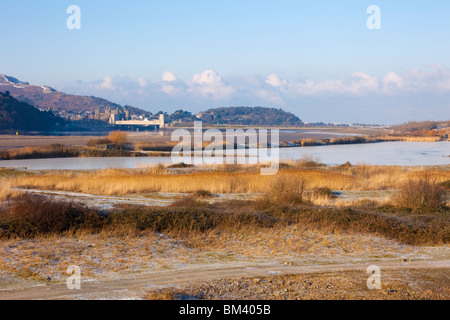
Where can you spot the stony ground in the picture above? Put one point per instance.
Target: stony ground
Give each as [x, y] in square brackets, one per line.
[395, 285]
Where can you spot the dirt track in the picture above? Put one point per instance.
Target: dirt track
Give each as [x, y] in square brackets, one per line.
[137, 287]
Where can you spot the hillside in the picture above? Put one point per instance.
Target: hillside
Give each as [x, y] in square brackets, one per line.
[260, 116]
[16, 115]
[48, 98]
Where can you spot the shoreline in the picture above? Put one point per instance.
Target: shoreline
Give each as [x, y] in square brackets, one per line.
[57, 151]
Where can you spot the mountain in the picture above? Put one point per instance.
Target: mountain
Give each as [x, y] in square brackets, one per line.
[44, 97]
[16, 115]
[260, 116]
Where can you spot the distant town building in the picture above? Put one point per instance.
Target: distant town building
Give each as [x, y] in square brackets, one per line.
[120, 120]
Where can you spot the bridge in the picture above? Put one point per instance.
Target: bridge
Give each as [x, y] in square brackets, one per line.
[160, 123]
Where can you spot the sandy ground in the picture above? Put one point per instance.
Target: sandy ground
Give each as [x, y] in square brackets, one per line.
[109, 202]
[103, 202]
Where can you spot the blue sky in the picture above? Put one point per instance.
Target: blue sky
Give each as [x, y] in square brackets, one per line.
[316, 59]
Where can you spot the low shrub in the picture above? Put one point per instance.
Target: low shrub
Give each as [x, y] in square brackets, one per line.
[421, 195]
[31, 215]
[202, 194]
[284, 190]
[445, 184]
[99, 141]
[309, 162]
[324, 192]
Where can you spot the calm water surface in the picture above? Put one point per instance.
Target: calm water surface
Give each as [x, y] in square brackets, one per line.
[385, 153]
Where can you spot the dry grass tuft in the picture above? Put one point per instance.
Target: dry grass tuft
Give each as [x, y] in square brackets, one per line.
[283, 190]
[202, 194]
[6, 192]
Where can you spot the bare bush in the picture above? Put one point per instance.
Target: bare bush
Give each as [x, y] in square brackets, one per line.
[119, 138]
[424, 194]
[309, 162]
[31, 215]
[285, 190]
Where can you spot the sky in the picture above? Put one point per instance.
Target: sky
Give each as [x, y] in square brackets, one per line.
[316, 59]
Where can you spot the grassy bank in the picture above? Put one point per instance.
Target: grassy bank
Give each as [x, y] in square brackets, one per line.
[61, 151]
[365, 139]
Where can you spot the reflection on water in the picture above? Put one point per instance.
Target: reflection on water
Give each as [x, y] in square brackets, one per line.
[385, 153]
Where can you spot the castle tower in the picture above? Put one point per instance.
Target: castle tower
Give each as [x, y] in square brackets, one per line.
[162, 121]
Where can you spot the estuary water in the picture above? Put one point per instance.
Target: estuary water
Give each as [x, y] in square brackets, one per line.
[383, 153]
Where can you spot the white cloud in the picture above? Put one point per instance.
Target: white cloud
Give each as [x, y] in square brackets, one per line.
[362, 83]
[392, 81]
[275, 81]
[168, 76]
[268, 96]
[107, 83]
[142, 82]
[209, 83]
[403, 94]
[272, 89]
[170, 90]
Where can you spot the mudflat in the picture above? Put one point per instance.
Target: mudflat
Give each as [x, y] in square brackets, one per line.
[163, 137]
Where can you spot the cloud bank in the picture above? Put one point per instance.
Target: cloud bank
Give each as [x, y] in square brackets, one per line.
[396, 96]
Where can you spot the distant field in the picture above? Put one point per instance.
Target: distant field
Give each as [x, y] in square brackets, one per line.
[13, 141]
[21, 141]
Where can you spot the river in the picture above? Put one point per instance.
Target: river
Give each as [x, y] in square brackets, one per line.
[384, 153]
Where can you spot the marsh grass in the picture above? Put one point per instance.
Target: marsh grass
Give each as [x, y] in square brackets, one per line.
[231, 179]
[6, 192]
[283, 190]
[61, 151]
[34, 216]
[51, 151]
